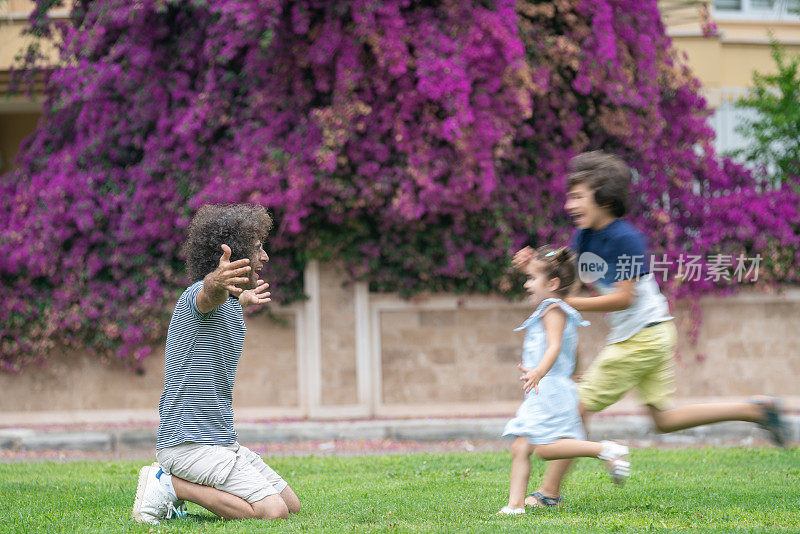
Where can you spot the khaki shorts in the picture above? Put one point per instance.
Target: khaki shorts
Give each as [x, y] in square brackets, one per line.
[646, 362]
[233, 469]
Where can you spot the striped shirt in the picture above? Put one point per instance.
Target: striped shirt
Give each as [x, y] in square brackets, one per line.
[201, 357]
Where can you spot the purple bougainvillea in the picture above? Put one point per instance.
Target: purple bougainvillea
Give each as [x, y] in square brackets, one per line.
[419, 143]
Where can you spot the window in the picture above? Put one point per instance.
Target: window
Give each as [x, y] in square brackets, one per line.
[772, 9]
[727, 117]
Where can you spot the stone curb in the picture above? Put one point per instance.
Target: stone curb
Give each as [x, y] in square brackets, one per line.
[67, 441]
[623, 427]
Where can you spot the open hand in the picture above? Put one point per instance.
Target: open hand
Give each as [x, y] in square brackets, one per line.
[522, 257]
[229, 274]
[530, 377]
[257, 296]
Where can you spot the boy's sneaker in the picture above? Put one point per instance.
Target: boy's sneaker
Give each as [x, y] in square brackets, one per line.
[616, 458]
[773, 421]
[153, 502]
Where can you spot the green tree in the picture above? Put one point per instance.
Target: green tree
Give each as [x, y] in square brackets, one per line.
[773, 131]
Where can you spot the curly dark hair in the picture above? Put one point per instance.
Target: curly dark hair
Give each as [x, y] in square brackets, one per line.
[239, 226]
[559, 263]
[605, 174]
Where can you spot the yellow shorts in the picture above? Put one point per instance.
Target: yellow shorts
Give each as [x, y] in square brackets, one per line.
[645, 361]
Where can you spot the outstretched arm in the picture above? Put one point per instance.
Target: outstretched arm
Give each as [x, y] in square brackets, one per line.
[620, 299]
[222, 281]
[255, 297]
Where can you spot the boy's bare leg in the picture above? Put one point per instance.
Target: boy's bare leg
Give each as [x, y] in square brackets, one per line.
[559, 456]
[702, 414]
[666, 421]
[568, 448]
[229, 506]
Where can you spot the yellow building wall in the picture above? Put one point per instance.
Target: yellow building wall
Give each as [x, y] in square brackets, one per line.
[19, 115]
[14, 127]
[727, 59]
[720, 64]
[13, 21]
[11, 41]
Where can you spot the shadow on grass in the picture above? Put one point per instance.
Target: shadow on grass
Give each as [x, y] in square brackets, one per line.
[202, 518]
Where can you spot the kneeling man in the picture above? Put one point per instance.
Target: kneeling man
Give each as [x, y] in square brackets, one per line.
[199, 458]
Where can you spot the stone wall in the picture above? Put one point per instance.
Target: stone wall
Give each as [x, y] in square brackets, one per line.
[450, 355]
[348, 353]
[267, 382]
[338, 337]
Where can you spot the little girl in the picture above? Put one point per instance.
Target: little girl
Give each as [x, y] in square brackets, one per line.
[548, 423]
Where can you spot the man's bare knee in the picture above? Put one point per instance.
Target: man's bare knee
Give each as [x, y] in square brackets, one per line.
[271, 507]
[290, 498]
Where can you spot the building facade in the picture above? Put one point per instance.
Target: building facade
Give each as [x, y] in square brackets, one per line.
[725, 61]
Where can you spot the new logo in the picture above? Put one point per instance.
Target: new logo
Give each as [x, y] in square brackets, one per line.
[591, 267]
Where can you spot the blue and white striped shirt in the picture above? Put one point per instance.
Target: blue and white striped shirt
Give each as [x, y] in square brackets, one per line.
[202, 353]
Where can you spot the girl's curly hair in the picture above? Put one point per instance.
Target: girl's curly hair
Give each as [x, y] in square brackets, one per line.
[239, 226]
[559, 263]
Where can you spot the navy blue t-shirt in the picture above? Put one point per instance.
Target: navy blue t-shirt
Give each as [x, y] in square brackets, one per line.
[621, 246]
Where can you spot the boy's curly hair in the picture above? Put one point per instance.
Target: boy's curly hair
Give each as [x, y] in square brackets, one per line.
[559, 263]
[239, 226]
[605, 174]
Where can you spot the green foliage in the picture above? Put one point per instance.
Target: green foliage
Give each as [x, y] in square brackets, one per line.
[774, 132]
[697, 490]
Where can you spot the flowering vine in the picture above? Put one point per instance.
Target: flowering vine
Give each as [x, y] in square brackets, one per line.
[418, 143]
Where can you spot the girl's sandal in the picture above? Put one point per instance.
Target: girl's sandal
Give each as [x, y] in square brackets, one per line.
[542, 501]
[773, 421]
[616, 458]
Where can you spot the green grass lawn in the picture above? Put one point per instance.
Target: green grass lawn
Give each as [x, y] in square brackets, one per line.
[719, 490]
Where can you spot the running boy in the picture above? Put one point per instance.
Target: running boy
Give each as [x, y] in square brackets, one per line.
[641, 343]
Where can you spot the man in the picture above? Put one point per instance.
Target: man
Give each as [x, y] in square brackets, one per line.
[199, 459]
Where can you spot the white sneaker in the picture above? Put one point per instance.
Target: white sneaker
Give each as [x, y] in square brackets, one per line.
[166, 483]
[153, 502]
[617, 463]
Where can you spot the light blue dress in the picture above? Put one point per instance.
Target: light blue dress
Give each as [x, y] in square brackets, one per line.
[552, 413]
